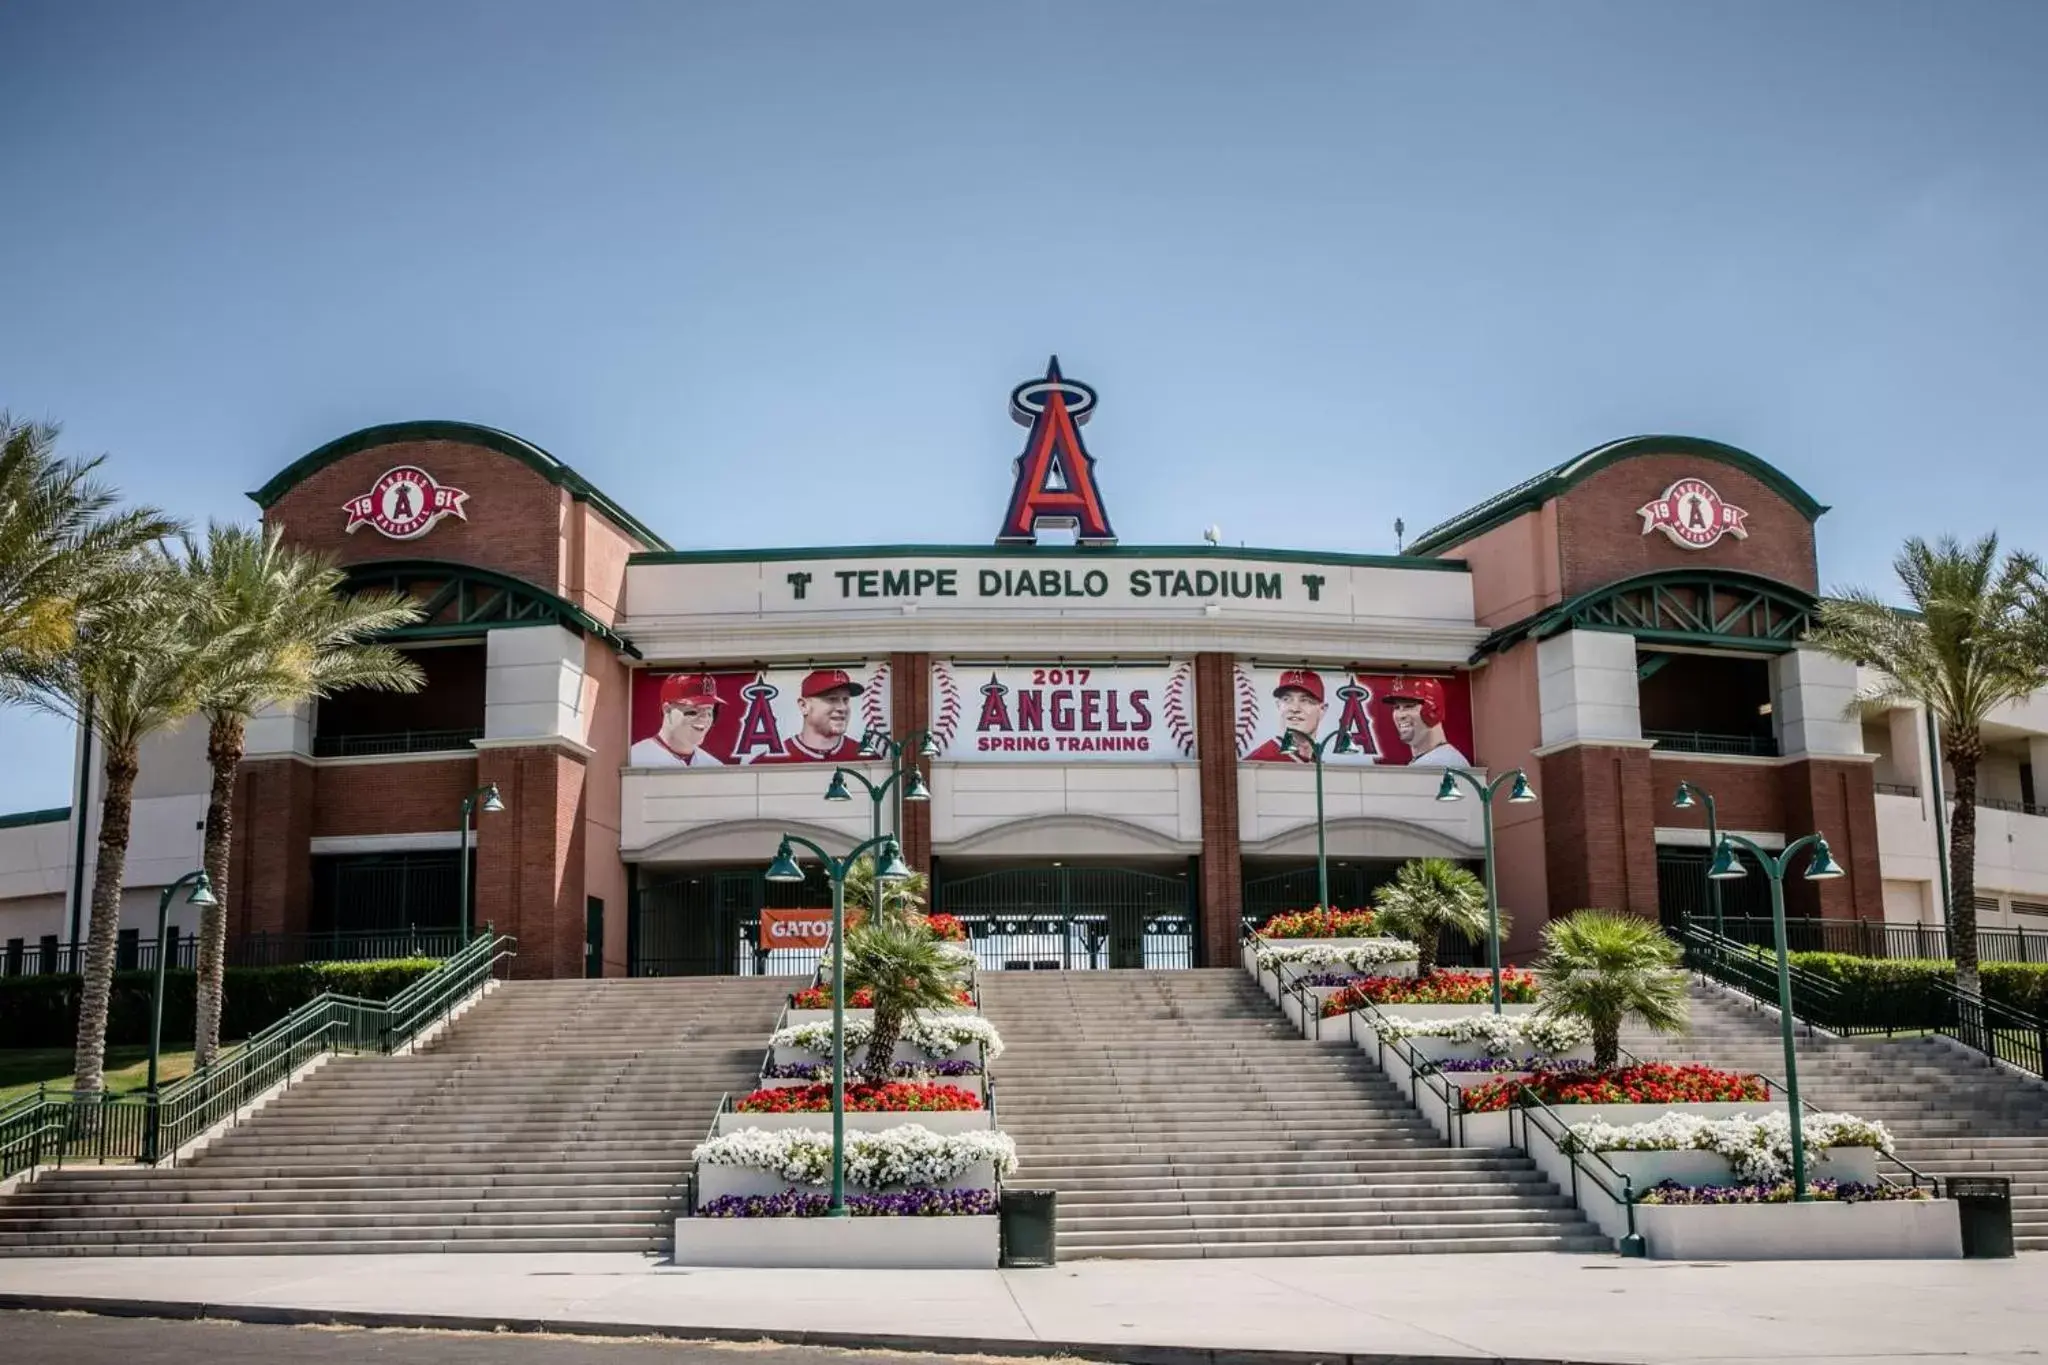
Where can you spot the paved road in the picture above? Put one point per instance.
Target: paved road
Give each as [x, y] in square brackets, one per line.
[74, 1339]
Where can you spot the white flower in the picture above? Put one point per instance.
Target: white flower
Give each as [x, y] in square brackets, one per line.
[935, 1035]
[1760, 1149]
[1502, 1033]
[907, 1155]
[1372, 953]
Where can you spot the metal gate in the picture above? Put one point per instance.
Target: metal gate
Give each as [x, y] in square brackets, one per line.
[708, 923]
[1074, 918]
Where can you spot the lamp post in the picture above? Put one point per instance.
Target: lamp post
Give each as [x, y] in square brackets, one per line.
[889, 869]
[1821, 867]
[1338, 743]
[1520, 793]
[202, 896]
[905, 778]
[1688, 797]
[488, 793]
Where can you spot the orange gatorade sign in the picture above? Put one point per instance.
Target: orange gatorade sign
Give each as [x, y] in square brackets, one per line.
[795, 928]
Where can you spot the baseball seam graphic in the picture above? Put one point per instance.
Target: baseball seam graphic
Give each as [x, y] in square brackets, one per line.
[1247, 711]
[871, 700]
[948, 718]
[1177, 709]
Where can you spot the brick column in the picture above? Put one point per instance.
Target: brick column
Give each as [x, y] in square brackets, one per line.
[1840, 800]
[910, 710]
[1216, 748]
[529, 856]
[270, 862]
[1599, 829]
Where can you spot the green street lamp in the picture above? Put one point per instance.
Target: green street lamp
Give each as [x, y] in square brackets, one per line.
[908, 778]
[202, 896]
[889, 869]
[909, 785]
[1688, 797]
[1338, 743]
[1520, 793]
[488, 794]
[1821, 867]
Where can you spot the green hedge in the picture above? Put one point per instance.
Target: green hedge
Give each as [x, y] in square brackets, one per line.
[42, 1011]
[1875, 987]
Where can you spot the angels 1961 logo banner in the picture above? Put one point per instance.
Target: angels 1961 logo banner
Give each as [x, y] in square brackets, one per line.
[1394, 719]
[1064, 713]
[722, 718]
[405, 503]
[1693, 515]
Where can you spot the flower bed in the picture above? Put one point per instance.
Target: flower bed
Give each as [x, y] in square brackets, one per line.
[1319, 923]
[919, 1201]
[946, 927]
[820, 998]
[1651, 1083]
[1499, 1033]
[923, 1069]
[1372, 953]
[1550, 1064]
[935, 1035]
[1844, 1191]
[861, 1097]
[1759, 1149]
[906, 1155]
[1438, 988]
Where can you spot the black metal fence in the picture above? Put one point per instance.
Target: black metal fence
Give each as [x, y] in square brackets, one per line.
[1871, 938]
[132, 952]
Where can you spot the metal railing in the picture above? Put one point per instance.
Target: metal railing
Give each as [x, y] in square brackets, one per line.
[1897, 789]
[395, 742]
[1707, 742]
[2017, 807]
[1020, 942]
[1925, 1005]
[132, 953]
[53, 1128]
[1875, 938]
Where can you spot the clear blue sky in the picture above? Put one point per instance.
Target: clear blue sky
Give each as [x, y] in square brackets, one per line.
[766, 273]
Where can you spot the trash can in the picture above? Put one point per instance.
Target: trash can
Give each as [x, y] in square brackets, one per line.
[1025, 1222]
[1984, 1202]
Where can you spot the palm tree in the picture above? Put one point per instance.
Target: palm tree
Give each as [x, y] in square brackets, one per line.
[61, 540]
[1976, 639]
[1605, 968]
[906, 969]
[1429, 896]
[295, 635]
[901, 899]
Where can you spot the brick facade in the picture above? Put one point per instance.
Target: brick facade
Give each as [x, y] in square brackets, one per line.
[910, 711]
[270, 882]
[1599, 829]
[1748, 795]
[529, 862]
[405, 797]
[1216, 750]
[1838, 799]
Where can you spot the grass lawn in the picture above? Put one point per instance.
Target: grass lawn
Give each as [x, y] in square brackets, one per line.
[22, 1069]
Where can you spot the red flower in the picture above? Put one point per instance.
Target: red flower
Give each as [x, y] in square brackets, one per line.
[946, 927]
[1319, 923]
[862, 1097]
[1438, 988]
[863, 998]
[1650, 1083]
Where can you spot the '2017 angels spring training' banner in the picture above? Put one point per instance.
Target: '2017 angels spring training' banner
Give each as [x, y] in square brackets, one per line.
[712, 718]
[1064, 713]
[1394, 719]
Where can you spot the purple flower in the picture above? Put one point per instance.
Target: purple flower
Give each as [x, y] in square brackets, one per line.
[1845, 1192]
[1330, 978]
[1509, 1064]
[822, 1071]
[917, 1201]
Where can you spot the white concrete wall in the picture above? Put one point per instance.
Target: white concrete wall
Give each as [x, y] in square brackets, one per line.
[1587, 689]
[1368, 812]
[274, 731]
[1814, 704]
[1076, 809]
[732, 814]
[534, 685]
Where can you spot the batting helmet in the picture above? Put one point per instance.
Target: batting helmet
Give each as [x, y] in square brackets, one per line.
[1428, 693]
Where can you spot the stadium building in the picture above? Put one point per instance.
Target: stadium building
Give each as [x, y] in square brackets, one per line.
[1110, 781]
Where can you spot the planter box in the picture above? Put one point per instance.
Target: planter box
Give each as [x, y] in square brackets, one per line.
[1451, 1011]
[1858, 1164]
[973, 1082]
[716, 1181]
[905, 1052]
[1894, 1229]
[945, 1121]
[1501, 1129]
[966, 1242]
[792, 1017]
[1274, 987]
[1317, 1027]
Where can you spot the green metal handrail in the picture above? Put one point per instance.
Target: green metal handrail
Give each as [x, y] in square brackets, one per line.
[1530, 1105]
[144, 1126]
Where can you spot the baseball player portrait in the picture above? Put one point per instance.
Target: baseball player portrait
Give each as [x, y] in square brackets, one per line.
[1301, 702]
[825, 705]
[1417, 705]
[689, 704]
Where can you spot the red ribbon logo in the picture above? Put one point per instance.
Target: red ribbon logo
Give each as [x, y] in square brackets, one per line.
[1693, 515]
[405, 503]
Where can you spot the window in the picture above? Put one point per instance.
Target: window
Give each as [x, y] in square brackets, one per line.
[1706, 703]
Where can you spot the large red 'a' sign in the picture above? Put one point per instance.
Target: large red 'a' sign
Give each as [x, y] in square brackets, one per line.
[1055, 474]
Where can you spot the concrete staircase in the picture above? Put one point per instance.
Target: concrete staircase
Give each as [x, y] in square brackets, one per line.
[554, 1116]
[1952, 1113]
[1178, 1115]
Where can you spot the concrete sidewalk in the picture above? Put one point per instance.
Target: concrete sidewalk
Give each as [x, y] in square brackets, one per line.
[1520, 1307]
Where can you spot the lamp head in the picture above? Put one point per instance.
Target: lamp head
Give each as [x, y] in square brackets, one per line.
[1684, 801]
[892, 867]
[1343, 744]
[202, 892]
[492, 804]
[1725, 867]
[784, 868]
[1447, 790]
[873, 743]
[1521, 793]
[930, 747]
[915, 789]
[1823, 868]
[837, 790]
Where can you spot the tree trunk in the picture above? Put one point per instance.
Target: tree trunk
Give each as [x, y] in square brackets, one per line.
[888, 1028]
[104, 928]
[1963, 749]
[1425, 951]
[224, 743]
[1606, 1044]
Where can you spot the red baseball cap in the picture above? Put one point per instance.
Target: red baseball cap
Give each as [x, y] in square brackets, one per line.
[819, 681]
[1301, 680]
[694, 689]
[1428, 693]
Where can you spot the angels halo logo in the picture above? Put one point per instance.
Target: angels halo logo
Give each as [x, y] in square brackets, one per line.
[1693, 515]
[404, 504]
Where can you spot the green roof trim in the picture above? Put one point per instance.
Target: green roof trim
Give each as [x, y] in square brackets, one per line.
[1531, 494]
[552, 609]
[1776, 613]
[469, 433]
[55, 815]
[1042, 551]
